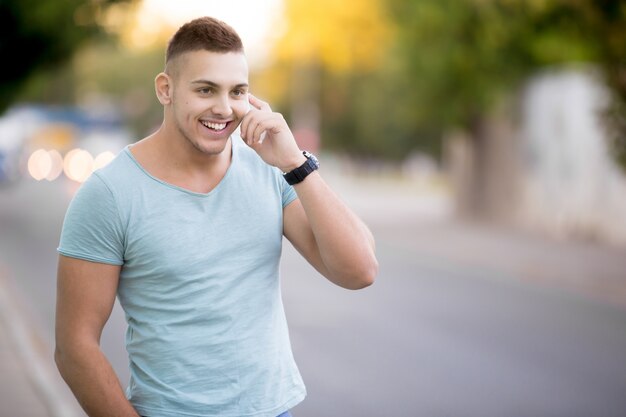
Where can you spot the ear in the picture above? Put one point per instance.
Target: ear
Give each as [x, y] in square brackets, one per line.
[164, 88]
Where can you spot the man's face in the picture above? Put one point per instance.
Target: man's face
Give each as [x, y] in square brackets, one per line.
[209, 97]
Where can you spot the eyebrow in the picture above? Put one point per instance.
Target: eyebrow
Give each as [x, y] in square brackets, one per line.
[212, 84]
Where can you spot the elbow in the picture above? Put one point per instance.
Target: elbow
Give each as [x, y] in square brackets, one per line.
[64, 357]
[59, 361]
[68, 360]
[362, 277]
[59, 358]
[369, 275]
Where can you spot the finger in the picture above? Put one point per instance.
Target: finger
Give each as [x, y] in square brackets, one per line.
[256, 145]
[259, 131]
[243, 127]
[251, 126]
[260, 122]
[273, 124]
[248, 123]
[258, 104]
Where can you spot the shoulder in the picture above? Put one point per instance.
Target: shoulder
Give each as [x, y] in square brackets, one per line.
[121, 178]
[106, 186]
[116, 171]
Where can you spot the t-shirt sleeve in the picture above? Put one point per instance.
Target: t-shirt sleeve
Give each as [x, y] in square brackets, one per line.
[289, 194]
[92, 229]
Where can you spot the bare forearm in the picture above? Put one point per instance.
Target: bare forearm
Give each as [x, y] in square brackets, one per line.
[345, 244]
[337, 243]
[93, 381]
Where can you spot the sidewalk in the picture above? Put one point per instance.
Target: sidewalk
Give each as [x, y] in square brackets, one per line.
[421, 221]
[17, 395]
[29, 386]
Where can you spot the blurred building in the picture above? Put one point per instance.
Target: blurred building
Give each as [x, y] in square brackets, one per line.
[571, 185]
[546, 165]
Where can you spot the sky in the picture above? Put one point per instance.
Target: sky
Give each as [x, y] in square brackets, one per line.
[256, 21]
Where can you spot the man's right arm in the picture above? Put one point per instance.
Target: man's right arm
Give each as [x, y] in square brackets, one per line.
[85, 297]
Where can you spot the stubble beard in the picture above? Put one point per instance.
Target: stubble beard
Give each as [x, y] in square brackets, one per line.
[189, 138]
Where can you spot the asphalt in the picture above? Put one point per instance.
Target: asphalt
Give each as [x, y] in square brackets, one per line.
[30, 386]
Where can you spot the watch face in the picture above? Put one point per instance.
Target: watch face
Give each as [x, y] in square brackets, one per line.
[311, 157]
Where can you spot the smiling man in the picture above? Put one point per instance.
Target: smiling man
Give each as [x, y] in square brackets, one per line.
[185, 227]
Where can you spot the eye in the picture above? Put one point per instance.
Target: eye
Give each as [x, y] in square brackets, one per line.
[238, 93]
[205, 90]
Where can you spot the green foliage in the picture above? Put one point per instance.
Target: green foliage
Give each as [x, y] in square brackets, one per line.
[37, 35]
[465, 56]
[94, 75]
[453, 62]
[124, 77]
[605, 21]
[366, 115]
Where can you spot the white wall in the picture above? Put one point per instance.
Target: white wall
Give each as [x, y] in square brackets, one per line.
[570, 184]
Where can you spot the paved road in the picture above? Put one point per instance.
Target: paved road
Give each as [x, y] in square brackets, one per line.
[463, 320]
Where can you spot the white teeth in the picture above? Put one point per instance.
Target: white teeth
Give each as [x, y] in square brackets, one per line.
[214, 126]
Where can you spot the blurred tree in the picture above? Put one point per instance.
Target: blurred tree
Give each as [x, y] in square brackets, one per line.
[605, 22]
[92, 79]
[393, 76]
[465, 59]
[466, 56]
[326, 55]
[131, 91]
[339, 35]
[39, 34]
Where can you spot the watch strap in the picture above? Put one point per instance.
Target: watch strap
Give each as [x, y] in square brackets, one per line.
[297, 175]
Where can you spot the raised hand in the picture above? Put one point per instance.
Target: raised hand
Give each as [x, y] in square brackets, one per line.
[269, 135]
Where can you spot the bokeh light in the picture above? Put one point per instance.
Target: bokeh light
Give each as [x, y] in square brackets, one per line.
[39, 164]
[78, 165]
[56, 165]
[103, 159]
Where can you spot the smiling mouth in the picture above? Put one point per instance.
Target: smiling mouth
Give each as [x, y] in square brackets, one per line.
[214, 126]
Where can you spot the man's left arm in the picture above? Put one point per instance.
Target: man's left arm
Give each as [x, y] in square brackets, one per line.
[329, 235]
[319, 225]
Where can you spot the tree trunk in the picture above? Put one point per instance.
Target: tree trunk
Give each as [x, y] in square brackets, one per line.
[483, 164]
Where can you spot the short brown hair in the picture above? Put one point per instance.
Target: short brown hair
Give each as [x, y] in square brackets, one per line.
[204, 33]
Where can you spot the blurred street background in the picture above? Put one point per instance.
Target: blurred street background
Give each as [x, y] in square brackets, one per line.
[483, 141]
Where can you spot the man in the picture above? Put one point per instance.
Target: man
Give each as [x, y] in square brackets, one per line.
[185, 226]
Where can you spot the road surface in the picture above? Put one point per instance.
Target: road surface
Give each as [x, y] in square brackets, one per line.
[463, 320]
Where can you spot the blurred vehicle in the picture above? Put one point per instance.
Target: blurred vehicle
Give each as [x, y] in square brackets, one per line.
[43, 142]
[16, 126]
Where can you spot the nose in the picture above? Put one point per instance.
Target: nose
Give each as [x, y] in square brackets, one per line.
[221, 106]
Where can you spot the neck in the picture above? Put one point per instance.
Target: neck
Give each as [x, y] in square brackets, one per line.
[178, 154]
[168, 160]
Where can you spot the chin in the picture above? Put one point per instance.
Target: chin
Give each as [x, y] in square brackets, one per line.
[210, 147]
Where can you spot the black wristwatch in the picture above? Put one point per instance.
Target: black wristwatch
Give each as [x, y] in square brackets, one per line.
[299, 174]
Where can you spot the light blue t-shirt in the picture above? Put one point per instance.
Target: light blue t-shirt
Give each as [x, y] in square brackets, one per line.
[207, 334]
